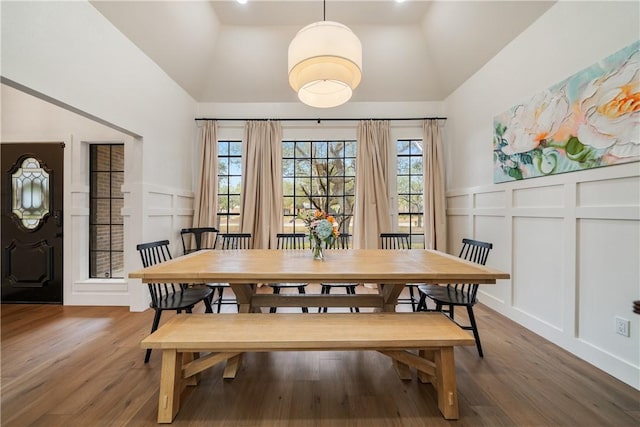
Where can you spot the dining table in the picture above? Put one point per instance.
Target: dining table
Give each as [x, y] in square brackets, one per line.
[389, 270]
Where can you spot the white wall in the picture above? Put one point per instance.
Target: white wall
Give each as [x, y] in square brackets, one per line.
[570, 241]
[69, 54]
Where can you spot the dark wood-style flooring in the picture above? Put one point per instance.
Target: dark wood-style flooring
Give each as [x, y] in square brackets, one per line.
[82, 366]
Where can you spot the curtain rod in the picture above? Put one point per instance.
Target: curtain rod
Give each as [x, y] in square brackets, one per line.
[321, 120]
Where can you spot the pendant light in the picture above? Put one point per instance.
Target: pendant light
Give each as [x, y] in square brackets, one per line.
[325, 63]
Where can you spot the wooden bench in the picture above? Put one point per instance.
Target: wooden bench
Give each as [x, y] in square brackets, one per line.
[226, 336]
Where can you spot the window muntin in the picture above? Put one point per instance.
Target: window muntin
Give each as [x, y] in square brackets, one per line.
[410, 203]
[106, 227]
[229, 185]
[318, 174]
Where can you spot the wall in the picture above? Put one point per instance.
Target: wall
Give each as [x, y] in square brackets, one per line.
[570, 241]
[68, 54]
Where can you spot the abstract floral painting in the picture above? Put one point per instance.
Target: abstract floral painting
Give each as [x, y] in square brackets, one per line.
[589, 120]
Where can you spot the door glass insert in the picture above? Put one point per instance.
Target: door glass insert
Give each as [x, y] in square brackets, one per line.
[30, 193]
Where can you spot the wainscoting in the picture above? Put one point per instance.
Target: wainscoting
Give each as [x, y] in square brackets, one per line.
[572, 245]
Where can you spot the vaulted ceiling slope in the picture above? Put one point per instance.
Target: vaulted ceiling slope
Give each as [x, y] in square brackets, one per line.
[223, 51]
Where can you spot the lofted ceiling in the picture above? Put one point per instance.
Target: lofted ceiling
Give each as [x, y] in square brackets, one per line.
[224, 51]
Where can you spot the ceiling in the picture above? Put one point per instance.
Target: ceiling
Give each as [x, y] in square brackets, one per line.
[223, 51]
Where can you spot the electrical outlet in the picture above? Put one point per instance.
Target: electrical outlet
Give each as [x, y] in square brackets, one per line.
[622, 326]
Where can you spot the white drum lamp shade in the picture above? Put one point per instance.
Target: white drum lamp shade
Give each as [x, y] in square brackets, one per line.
[325, 64]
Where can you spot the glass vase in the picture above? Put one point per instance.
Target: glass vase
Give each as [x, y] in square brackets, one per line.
[317, 249]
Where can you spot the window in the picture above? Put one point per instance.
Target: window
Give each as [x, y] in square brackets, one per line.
[229, 185]
[318, 175]
[106, 229]
[410, 190]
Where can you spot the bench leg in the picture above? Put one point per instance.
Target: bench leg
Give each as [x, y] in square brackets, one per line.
[170, 386]
[446, 383]
[232, 367]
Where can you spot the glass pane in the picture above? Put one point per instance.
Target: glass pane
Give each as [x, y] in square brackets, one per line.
[350, 185]
[100, 238]
[235, 166]
[116, 211]
[223, 166]
[319, 168]
[288, 148]
[117, 265]
[100, 264]
[223, 148]
[288, 207]
[234, 224]
[100, 158]
[235, 148]
[287, 186]
[117, 237]
[303, 167]
[403, 203]
[30, 193]
[303, 187]
[350, 167]
[416, 184]
[416, 147]
[100, 211]
[223, 185]
[288, 167]
[403, 223]
[235, 184]
[117, 157]
[320, 149]
[350, 148]
[117, 180]
[223, 204]
[416, 165]
[234, 204]
[404, 147]
[100, 184]
[336, 149]
[403, 184]
[415, 204]
[403, 165]
[303, 149]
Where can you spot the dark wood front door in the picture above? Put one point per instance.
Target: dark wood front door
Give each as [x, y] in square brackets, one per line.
[32, 195]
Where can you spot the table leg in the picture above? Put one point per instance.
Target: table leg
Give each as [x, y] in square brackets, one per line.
[446, 383]
[170, 386]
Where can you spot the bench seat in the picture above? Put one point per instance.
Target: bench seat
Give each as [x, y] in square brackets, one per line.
[226, 336]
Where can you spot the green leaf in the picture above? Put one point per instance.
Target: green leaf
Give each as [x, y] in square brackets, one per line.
[515, 173]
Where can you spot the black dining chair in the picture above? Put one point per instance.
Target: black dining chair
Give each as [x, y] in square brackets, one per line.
[169, 296]
[399, 241]
[341, 242]
[197, 238]
[229, 241]
[285, 241]
[459, 294]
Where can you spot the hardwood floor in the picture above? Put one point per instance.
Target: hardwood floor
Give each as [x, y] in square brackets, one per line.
[82, 366]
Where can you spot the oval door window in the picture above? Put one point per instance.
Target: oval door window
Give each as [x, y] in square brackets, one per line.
[30, 193]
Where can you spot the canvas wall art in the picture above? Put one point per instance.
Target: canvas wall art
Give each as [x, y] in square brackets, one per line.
[589, 120]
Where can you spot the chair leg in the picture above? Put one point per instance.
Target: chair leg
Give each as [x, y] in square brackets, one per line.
[352, 290]
[276, 291]
[325, 290]
[154, 326]
[301, 291]
[207, 306]
[220, 293]
[412, 298]
[422, 304]
[474, 328]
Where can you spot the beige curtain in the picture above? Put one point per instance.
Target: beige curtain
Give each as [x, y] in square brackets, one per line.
[206, 200]
[261, 199]
[372, 214]
[435, 219]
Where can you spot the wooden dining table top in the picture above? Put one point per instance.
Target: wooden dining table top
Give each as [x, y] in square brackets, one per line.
[352, 265]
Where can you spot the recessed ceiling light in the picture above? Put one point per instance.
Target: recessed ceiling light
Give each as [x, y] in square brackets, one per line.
[242, 1]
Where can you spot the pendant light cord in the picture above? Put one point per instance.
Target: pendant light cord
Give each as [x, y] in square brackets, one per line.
[324, 10]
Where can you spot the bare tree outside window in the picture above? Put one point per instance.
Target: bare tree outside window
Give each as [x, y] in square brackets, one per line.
[229, 185]
[318, 175]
